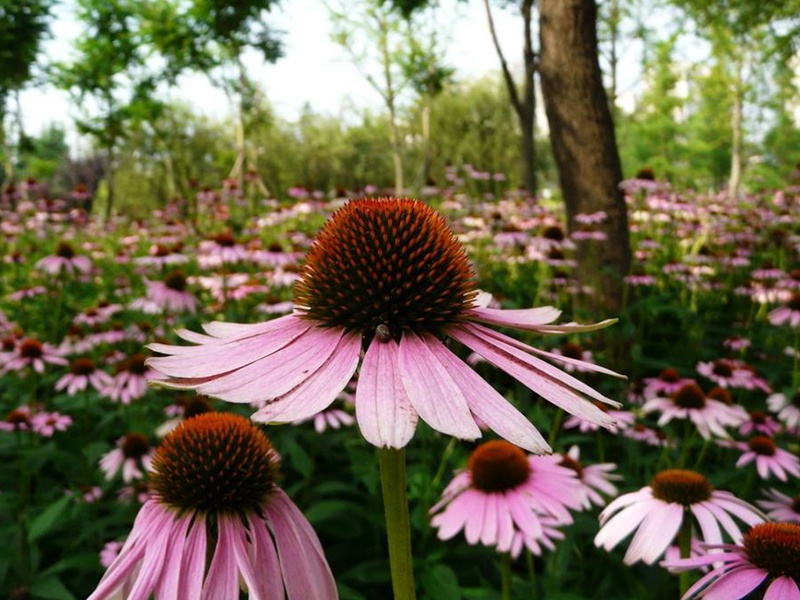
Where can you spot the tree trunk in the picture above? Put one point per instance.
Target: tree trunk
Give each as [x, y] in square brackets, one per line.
[584, 146]
[109, 180]
[735, 180]
[525, 107]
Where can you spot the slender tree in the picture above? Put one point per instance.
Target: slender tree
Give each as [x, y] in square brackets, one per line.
[583, 141]
[23, 26]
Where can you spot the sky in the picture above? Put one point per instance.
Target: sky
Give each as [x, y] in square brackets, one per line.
[314, 70]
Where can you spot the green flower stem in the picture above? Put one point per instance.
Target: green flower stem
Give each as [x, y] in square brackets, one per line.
[398, 529]
[531, 573]
[505, 576]
[685, 546]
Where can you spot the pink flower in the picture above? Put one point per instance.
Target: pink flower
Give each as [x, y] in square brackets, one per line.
[389, 276]
[215, 527]
[130, 382]
[46, 424]
[595, 479]
[503, 492]
[787, 408]
[18, 419]
[32, 353]
[168, 295]
[788, 314]
[767, 559]
[690, 402]
[82, 374]
[728, 372]
[65, 261]
[781, 507]
[132, 455]
[768, 457]
[623, 419]
[657, 512]
[667, 383]
[760, 422]
[110, 552]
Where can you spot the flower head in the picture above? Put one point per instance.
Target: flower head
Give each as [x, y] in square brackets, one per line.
[217, 518]
[504, 492]
[657, 512]
[710, 416]
[387, 277]
[767, 559]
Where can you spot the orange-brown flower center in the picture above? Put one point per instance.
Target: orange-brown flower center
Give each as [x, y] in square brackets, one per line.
[689, 396]
[758, 416]
[498, 466]
[775, 547]
[794, 302]
[135, 364]
[176, 281]
[572, 350]
[571, 463]
[65, 250]
[215, 462]
[391, 262]
[135, 445]
[669, 376]
[722, 369]
[762, 445]
[82, 366]
[680, 486]
[721, 395]
[31, 349]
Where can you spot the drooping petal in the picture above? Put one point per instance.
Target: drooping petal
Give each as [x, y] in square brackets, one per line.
[269, 586]
[306, 574]
[783, 588]
[233, 354]
[549, 382]
[168, 585]
[319, 390]
[656, 532]
[489, 406]
[431, 390]
[526, 318]
[735, 585]
[274, 375]
[222, 581]
[383, 412]
[193, 568]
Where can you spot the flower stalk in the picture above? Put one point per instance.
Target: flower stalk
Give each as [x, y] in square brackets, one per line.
[398, 529]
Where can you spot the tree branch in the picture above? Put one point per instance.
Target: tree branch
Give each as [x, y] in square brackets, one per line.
[512, 87]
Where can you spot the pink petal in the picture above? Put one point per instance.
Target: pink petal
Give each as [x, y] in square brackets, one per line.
[193, 568]
[320, 389]
[384, 414]
[621, 525]
[526, 318]
[269, 585]
[708, 524]
[782, 588]
[216, 359]
[545, 380]
[431, 390]
[168, 584]
[278, 373]
[489, 406]
[306, 574]
[735, 585]
[222, 581]
[656, 532]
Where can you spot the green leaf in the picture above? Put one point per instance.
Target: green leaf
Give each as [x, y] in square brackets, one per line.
[47, 519]
[440, 582]
[50, 588]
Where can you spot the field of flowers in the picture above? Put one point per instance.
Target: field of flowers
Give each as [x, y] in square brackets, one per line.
[703, 445]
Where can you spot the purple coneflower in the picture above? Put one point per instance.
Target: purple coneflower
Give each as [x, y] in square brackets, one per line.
[690, 402]
[132, 455]
[658, 511]
[46, 424]
[595, 479]
[32, 353]
[81, 374]
[390, 277]
[768, 457]
[503, 492]
[781, 507]
[786, 407]
[732, 373]
[130, 381]
[760, 422]
[667, 383]
[65, 261]
[218, 523]
[169, 295]
[623, 419]
[767, 560]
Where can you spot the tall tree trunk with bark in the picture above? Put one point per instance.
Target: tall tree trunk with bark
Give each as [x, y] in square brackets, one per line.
[582, 137]
[737, 158]
[524, 106]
